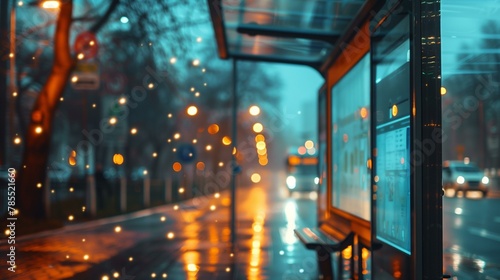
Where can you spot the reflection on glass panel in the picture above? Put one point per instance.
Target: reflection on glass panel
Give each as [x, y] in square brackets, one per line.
[351, 141]
[315, 15]
[471, 81]
[470, 43]
[267, 45]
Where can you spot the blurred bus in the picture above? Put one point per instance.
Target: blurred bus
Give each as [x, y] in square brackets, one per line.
[302, 172]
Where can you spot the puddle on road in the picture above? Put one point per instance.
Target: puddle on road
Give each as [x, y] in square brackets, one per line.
[462, 267]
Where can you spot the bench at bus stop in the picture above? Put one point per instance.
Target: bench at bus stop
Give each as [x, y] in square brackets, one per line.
[326, 245]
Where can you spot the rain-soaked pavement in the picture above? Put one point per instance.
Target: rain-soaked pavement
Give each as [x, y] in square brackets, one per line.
[191, 240]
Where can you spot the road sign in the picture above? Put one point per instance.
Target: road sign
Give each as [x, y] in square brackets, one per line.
[86, 44]
[86, 76]
[186, 153]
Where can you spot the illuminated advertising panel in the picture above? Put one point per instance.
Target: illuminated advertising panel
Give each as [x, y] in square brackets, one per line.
[392, 163]
[351, 141]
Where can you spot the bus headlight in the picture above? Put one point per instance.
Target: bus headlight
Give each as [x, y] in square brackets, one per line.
[485, 180]
[460, 179]
[291, 182]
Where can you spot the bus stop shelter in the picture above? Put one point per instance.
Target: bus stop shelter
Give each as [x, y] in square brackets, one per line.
[379, 117]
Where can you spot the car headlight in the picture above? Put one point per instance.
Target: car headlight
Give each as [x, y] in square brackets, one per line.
[460, 179]
[485, 180]
[291, 182]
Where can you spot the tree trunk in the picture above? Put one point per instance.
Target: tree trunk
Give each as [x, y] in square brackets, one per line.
[31, 182]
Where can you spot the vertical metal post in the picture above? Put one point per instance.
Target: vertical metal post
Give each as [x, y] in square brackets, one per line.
[46, 196]
[91, 195]
[233, 158]
[123, 193]
[147, 191]
[168, 189]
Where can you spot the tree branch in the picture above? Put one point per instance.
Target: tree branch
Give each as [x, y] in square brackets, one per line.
[95, 28]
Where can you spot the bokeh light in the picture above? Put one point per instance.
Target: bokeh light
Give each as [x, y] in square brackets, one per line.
[213, 129]
[192, 110]
[255, 177]
[118, 159]
[258, 127]
[226, 141]
[177, 166]
[254, 110]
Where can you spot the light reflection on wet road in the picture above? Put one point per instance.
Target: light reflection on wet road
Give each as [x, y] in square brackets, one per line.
[184, 241]
[192, 240]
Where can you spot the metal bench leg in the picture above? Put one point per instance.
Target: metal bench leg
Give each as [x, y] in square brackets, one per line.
[340, 265]
[325, 264]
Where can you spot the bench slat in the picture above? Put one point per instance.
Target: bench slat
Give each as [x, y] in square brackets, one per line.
[315, 238]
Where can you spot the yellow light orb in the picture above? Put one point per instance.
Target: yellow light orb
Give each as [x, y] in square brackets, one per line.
[192, 110]
[208, 148]
[259, 137]
[261, 145]
[17, 140]
[254, 110]
[309, 144]
[258, 127]
[226, 141]
[443, 90]
[363, 113]
[255, 177]
[118, 159]
[38, 130]
[394, 110]
[133, 131]
[112, 120]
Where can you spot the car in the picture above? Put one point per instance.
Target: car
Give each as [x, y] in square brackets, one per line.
[464, 176]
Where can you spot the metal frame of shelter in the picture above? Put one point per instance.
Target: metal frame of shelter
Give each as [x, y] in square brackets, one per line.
[332, 36]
